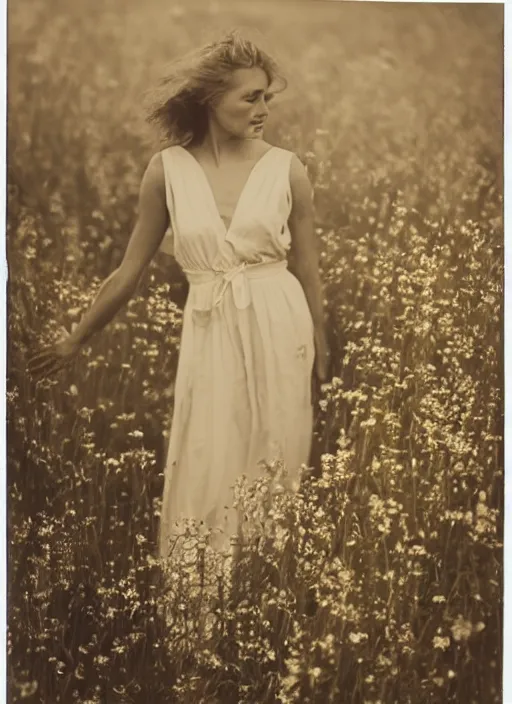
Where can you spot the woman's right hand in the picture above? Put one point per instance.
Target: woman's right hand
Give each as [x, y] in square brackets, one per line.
[53, 358]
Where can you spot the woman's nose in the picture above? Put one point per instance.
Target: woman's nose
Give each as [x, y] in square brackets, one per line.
[263, 108]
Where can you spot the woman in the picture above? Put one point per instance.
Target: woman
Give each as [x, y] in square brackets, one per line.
[253, 333]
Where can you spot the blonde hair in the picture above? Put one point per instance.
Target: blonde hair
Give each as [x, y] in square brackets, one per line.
[180, 103]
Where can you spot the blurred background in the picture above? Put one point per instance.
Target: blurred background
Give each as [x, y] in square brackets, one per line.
[397, 111]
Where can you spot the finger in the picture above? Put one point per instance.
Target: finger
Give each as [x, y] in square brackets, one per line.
[48, 372]
[50, 368]
[41, 365]
[42, 372]
[36, 378]
[320, 371]
[62, 364]
[42, 355]
[39, 356]
[42, 360]
[322, 376]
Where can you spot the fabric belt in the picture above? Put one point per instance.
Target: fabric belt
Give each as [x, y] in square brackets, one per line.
[238, 278]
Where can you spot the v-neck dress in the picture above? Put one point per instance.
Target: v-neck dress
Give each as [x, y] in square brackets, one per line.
[243, 383]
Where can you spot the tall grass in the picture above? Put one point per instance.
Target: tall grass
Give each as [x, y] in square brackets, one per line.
[381, 581]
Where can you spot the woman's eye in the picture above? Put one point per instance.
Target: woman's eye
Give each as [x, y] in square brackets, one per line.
[254, 98]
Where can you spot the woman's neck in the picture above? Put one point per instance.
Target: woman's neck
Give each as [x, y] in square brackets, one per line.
[221, 145]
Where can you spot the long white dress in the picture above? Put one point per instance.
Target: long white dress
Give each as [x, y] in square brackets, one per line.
[243, 384]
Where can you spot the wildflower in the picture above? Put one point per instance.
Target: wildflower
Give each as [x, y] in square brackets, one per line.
[461, 629]
[357, 637]
[441, 643]
[28, 689]
[136, 434]
[315, 673]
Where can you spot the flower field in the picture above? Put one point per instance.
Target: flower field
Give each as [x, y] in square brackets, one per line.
[381, 581]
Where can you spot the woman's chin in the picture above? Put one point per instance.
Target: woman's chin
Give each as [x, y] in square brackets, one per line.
[256, 131]
[250, 133]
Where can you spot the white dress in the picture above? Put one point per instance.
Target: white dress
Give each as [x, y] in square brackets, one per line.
[243, 384]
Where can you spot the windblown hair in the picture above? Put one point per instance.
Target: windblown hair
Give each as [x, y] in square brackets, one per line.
[197, 79]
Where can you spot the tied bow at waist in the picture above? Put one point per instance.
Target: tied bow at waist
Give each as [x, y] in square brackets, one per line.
[238, 278]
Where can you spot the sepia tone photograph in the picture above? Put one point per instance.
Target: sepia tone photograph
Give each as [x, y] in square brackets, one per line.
[255, 362]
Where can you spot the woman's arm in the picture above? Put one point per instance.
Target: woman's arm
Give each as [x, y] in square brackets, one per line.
[148, 232]
[304, 257]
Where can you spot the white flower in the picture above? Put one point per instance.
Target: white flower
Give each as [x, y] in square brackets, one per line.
[441, 643]
[357, 637]
[461, 629]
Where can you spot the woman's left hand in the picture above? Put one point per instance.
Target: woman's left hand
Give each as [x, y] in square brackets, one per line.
[322, 357]
[321, 367]
[52, 358]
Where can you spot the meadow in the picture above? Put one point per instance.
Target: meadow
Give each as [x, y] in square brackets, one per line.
[381, 581]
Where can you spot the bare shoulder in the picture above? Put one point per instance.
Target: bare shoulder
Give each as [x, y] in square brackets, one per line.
[300, 185]
[154, 178]
[155, 167]
[298, 171]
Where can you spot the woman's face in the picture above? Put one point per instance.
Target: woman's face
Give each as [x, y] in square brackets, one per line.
[243, 108]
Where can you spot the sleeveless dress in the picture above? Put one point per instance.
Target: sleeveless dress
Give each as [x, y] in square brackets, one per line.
[243, 382]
